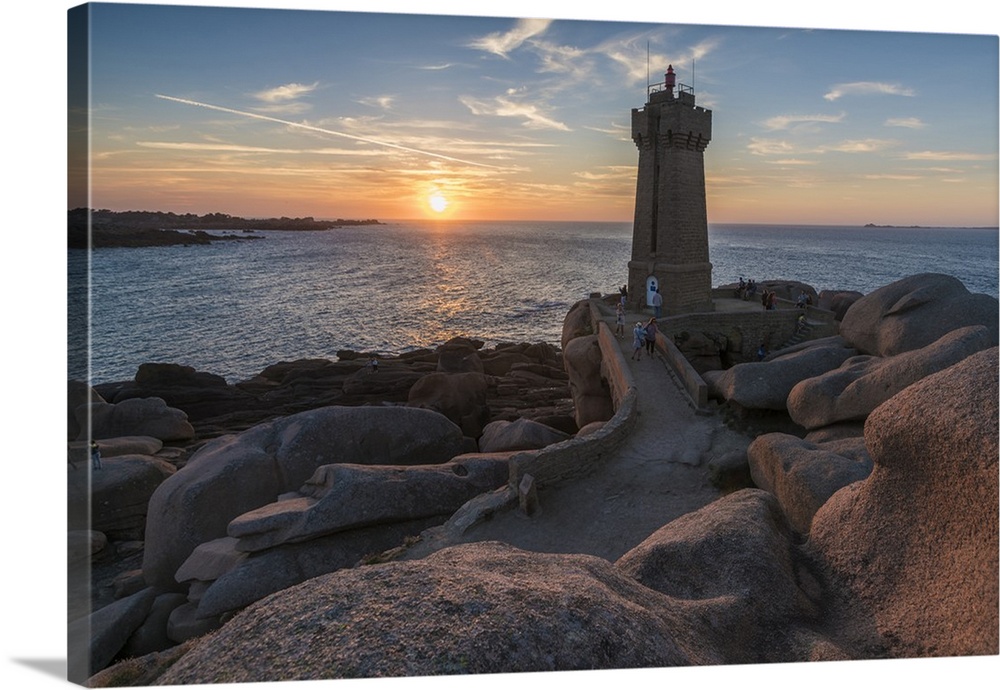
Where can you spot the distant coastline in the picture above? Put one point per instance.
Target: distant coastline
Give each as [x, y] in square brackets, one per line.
[103, 228]
[931, 227]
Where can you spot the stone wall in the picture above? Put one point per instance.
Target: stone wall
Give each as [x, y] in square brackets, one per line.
[691, 381]
[752, 328]
[578, 456]
[555, 464]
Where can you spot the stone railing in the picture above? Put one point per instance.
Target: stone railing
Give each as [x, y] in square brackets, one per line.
[555, 464]
[577, 456]
[691, 381]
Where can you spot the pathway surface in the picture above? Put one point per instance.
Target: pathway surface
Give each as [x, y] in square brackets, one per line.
[659, 473]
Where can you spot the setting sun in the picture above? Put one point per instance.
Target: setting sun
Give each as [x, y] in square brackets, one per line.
[437, 202]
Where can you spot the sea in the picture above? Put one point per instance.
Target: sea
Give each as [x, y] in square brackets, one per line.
[234, 307]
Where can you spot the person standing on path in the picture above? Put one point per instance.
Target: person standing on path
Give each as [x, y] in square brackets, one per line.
[657, 302]
[638, 339]
[650, 335]
[95, 455]
[620, 320]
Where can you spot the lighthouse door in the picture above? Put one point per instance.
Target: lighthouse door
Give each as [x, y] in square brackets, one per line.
[651, 285]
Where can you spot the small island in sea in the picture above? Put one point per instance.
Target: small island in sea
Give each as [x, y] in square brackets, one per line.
[918, 227]
[103, 228]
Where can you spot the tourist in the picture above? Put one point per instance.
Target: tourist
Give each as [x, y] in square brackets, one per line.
[657, 302]
[372, 365]
[772, 300]
[638, 340]
[650, 334]
[620, 320]
[802, 300]
[761, 353]
[95, 455]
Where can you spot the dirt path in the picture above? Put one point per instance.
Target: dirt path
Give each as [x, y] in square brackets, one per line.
[659, 473]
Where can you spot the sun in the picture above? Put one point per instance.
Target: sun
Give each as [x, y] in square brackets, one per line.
[437, 202]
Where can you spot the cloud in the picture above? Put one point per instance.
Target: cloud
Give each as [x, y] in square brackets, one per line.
[559, 59]
[284, 108]
[769, 147]
[908, 122]
[321, 130]
[781, 147]
[500, 106]
[240, 148]
[857, 146]
[896, 177]
[194, 146]
[864, 88]
[948, 156]
[632, 55]
[287, 92]
[383, 102]
[503, 43]
[785, 121]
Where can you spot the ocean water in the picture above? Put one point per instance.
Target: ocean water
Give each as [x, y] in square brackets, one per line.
[234, 307]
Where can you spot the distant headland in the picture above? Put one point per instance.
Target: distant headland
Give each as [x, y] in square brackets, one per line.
[162, 228]
[924, 227]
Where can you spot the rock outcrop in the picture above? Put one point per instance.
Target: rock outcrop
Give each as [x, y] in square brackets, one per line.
[914, 548]
[197, 504]
[115, 499]
[850, 392]
[461, 397]
[591, 396]
[803, 475]
[914, 312]
[838, 301]
[134, 417]
[342, 497]
[766, 385]
[521, 434]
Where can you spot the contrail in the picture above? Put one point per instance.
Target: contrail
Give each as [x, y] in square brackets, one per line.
[323, 131]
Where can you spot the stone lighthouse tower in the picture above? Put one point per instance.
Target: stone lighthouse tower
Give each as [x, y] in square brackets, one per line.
[670, 230]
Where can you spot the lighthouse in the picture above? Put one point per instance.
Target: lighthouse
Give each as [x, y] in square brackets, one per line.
[670, 228]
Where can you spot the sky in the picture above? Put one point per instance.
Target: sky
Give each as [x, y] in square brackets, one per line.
[272, 112]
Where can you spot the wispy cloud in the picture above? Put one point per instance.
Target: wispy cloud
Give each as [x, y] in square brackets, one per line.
[858, 146]
[383, 102]
[559, 59]
[502, 43]
[908, 122]
[893, 176]
[864, 88]
[631, 54]
[781, 147]
[286, 92]
[769, 147]
[321, 130]
[785, 121]
[241, 148]
[948, 156]
[501, 106]
[222, 148]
